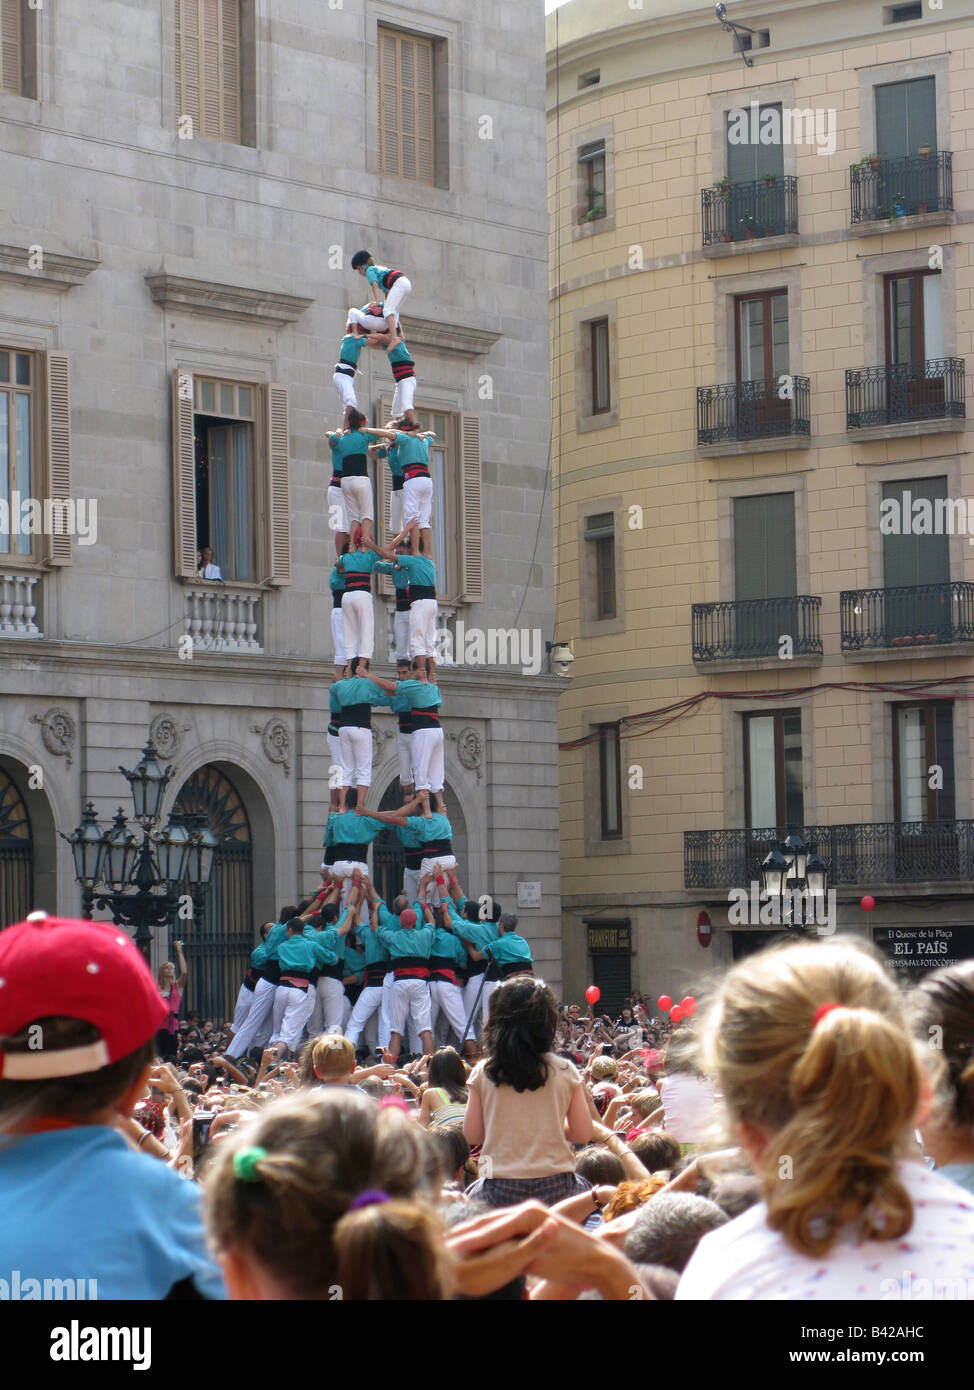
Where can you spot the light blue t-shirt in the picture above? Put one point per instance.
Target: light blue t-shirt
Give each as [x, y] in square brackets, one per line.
[80, 1203]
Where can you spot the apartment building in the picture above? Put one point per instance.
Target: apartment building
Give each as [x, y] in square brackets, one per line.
[761, 326]
[183, 184]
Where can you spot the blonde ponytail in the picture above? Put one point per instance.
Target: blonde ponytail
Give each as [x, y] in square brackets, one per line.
[808, 1044]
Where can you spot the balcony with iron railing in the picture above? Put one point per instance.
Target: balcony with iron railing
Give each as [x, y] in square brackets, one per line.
[905, 393]
[918, 615]
[752, 211]
[857, 855]
[889, 189]
[740, 411]
[750, 629]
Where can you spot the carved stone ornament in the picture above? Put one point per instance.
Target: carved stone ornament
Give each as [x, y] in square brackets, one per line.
[275, 737]
[58, 732]
[165, 734]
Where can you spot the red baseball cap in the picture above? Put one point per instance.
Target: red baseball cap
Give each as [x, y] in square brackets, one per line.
[57, 967]
[407, 918]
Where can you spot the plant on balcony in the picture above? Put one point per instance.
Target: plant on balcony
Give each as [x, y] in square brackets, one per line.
[747, 222]
[769, 180]
[923, 151]
[594, 213]
[884, 212]
[873, 160]
[723, 186]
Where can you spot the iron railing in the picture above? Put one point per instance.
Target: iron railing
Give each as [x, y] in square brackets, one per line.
[742, 410]
[889, 852]
[905, 391]
[910, 616]
[754, 627]
[742, 211]
[902, 187]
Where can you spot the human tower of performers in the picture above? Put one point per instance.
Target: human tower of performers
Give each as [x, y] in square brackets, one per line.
[422, 962]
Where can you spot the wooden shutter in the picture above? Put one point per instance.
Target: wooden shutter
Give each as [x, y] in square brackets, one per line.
[906, 117]
[278, 485]
[388, 103]
[11, 47]
[383, 496]
[764, 546]
[472, 538]
[746, 162]
[915, 559]
[405, 106]
[58, 442]
[208, 66]
[188, 62]
[230, 70]
[183, 475]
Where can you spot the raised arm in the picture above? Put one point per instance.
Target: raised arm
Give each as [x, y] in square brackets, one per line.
[183, 972]
[389, 817]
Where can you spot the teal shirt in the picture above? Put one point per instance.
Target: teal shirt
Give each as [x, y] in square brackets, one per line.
[296, 954]
[407, 838]
[435, 827]
[354, 961]
[267, 951]
[376, 275]
[373, 949]
[420, 569]
[510, 949]
[391, 454]
[412, 449]
[356, 690]
[347, 828]
[421, 696]
[400, 353]
[479, 934]
[412, 941]
[354, 442]
[448, 946]
[365, 562]
[336, 458]
[351, 350]
[336, 580]
[325, 943]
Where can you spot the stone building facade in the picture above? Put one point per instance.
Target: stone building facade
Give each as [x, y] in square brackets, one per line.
[184, 185]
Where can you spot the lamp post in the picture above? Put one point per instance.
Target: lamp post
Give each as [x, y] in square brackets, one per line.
[792, 867]
[140, 883]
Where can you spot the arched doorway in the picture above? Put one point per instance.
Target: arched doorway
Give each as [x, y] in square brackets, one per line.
[16, 854]
[219, 938]
[387, 854]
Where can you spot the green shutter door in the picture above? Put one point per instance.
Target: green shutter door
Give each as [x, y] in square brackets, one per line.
[764, 567]
[910, 560]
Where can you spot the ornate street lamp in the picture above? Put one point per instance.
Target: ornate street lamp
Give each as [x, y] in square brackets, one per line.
[792, 867]
[140, 884]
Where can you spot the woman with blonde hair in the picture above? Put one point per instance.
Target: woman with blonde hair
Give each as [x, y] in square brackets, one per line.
[824, 1087]
[325, 1195]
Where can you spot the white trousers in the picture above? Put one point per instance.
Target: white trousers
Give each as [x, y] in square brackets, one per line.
[357, 492]
[395, 297]
[448, 999]
[245, 999]
[345, 386]
[404, 746]
[337, 510]
[428, 761]
[404, 396]
[292, 1009]
[338, 636]
[254, 1024]
[417, 501]
[470, 991]
[400, 632]
[367, 1004]
[370, 322]
[423, 613]
[356, 752]
[395, 511]
[358, 615]
[410, 883]
[385, 1019]
[327, 1011]
[489, 988]
[410, 999]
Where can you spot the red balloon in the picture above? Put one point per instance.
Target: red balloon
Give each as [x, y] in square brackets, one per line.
[676, 1014]
[867, 903]
[593, 994]
[688, 1005]
[665, 1002]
